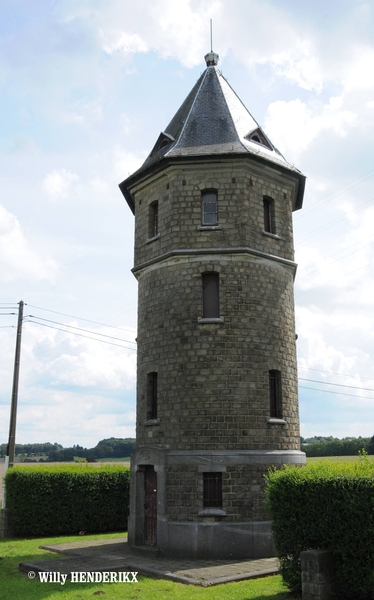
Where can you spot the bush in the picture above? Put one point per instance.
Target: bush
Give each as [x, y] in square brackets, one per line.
[67, 499]
[326, 505]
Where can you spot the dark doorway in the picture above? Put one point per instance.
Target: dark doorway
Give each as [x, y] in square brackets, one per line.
[150, 506]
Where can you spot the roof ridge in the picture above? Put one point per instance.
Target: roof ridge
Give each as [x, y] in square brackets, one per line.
[231, 117]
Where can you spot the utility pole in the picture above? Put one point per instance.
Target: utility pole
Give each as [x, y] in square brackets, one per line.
[9, 459]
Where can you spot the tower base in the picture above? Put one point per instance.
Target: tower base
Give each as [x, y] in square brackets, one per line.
[167, 512]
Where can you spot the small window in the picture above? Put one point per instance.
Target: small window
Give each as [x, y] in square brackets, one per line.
[210, 295]
[212, 490]
[153, 219]
[152, 396]
[269, 225]
[275, 390]
[209, 207]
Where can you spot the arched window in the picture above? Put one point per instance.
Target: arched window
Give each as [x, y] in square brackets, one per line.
[210, 283]
[209, 205]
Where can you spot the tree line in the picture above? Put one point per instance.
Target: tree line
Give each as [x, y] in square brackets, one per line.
[330, 446]
[124, 447]
[107, 448]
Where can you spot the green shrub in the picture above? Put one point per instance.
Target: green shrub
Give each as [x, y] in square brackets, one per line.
[326, 505]
[67, 499]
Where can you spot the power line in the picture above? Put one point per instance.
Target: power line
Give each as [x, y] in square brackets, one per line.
[334, 222]
[81, 335]
[354, 387]
[338, 193]
[334, 373]
[79, 318]
[336, 393]
[333, 280]
[80, 329]
[308, 273]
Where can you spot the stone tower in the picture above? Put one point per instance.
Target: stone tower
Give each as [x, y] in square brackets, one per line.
[217, 400]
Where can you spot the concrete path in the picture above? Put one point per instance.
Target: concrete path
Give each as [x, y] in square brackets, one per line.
[115, 555]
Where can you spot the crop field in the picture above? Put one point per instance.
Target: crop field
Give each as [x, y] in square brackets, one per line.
[336, 458]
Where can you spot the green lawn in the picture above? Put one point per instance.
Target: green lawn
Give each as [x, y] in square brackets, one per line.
[15, 585]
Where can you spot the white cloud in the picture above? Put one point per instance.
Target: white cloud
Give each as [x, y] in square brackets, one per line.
[360, 71]
[293, 125]
[99, 186]
[125, 162]
[72, 389]
[129, 43]
[299, 64]
[17, 258]
[58, 183]
[76, 361]
[83, 113]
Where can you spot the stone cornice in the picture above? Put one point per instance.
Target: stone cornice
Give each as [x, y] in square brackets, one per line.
[192, 254]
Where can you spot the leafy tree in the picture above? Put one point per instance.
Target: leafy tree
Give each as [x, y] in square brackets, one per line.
[370, 446]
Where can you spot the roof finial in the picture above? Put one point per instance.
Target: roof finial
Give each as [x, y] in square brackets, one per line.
[211, 58]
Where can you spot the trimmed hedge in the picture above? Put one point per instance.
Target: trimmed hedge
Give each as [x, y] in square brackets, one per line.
[326, 505]
[67, 499]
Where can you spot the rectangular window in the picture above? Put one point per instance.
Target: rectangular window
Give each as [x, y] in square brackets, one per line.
[153, 219]
[212, 490]
[210, 295]
[269, 215]
[209, 208]
[152, 395]
[275, 390]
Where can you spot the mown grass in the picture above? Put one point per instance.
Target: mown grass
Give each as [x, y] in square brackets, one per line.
[15, 585]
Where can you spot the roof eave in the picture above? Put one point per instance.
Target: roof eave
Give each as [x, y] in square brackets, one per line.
[165, 161]
[128, 197]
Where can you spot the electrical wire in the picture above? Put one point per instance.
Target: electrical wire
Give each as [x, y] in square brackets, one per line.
[79, 318]
[81, 335]
[336, 393]
[354, 387]
[334, 373]
[333, 280]
[334, 195]
[333, 222]
[80, 329]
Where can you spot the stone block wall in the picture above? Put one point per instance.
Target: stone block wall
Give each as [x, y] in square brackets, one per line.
[317, 575]
[242, 494]
[213, 378]
[240, 185]
[213, 392]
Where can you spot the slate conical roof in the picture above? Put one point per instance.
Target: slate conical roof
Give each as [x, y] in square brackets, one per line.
[212, 121]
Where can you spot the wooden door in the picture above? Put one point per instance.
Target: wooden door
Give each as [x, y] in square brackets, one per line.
[150, 506]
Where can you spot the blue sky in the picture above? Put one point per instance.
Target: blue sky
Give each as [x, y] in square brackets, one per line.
[86, 88]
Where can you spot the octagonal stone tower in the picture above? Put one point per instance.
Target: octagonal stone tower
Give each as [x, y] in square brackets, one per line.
[217, 400]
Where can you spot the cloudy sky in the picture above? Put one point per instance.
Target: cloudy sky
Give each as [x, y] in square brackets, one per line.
[86, 88]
